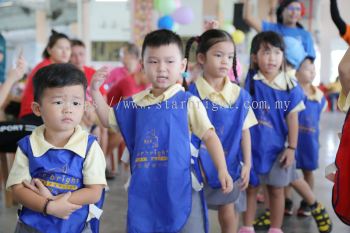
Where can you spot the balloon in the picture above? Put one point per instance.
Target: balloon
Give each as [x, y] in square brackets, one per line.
[166, 6]
[238, 36]
[183, 15]
[166, 22]
[177, 3]
[156, 4]
[228, 27]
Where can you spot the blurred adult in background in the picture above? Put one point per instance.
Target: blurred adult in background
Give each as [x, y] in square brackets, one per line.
[129, 56]
[289, 13]
[58, 50]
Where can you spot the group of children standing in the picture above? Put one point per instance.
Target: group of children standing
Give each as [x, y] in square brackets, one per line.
[206, 145]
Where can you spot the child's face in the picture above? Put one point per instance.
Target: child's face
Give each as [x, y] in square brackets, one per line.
[61, 108]
[292, 13]
[163, 65]
[306, 72]
[269, 60]
[217, 61]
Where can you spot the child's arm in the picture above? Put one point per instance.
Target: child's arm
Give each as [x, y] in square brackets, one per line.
[88, 195]
[344, 73]
[247, 158]
[249, 17]
[13, 76]
[288, 155]
[214, 147]
[60, 207]
[100, 104]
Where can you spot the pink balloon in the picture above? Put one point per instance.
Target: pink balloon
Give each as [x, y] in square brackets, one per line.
[183, 15]
[177, 3]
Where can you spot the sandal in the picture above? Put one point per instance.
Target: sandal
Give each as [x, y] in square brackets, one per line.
[263, 221]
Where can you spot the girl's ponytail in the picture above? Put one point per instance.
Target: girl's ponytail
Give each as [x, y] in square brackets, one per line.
[187, 56]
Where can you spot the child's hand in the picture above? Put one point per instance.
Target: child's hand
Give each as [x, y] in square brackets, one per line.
[15, 74]
[245, 175]
[38, 187]
[98, 78]
[61, 207]
[211, 24]
[226, 181]
[287, 158]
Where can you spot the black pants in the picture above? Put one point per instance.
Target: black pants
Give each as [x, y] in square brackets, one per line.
[12, 131]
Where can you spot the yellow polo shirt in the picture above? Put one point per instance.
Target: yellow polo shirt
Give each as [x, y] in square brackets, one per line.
[281, 82]
[94, 164]
[198, 120]
[225, 98]
[344, 102]
[317, 95]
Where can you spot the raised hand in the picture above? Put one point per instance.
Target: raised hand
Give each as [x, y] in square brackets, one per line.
[15, 74]
[98, 78]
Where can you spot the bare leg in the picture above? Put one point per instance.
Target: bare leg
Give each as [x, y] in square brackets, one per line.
[226, 214]
[249, 215]
[276, 196]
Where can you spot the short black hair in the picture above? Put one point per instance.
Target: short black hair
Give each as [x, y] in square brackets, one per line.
[76, 42]
[161, 37]
[57, 75]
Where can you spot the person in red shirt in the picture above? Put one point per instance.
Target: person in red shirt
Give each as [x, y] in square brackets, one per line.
[129, 56]
[58, 50]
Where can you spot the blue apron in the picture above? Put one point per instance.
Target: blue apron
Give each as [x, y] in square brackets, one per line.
[60, 170]
[157, 137]
[271, 108]
[228, 123]
[308, 144]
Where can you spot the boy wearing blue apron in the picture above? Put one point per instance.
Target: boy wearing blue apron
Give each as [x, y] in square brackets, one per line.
[164, 195]
[65, 163]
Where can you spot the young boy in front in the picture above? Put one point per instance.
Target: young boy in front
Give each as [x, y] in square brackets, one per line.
[66, 164]
[156, 130]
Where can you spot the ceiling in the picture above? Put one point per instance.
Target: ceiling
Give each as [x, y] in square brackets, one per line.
[20, 14]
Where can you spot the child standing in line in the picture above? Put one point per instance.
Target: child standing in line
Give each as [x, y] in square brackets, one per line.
[66, 163]
[156, 125]
[281, 100]
[309, 119]
[228, 109]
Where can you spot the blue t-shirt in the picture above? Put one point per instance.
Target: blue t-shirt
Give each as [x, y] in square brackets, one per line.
[3, 60]
[298, 33]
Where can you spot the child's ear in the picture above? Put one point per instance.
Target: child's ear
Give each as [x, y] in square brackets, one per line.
[183, 64]
[36, 109]
[200, 58]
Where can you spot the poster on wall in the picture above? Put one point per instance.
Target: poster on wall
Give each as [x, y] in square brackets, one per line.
[142, 19]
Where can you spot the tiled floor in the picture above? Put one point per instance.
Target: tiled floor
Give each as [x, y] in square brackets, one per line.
[113, 220]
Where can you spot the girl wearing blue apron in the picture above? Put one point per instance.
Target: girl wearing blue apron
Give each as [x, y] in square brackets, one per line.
[276, 99]
[228, 110]
[164, 195]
